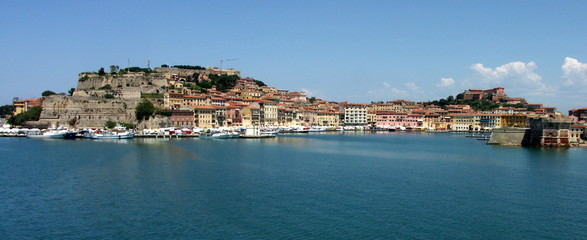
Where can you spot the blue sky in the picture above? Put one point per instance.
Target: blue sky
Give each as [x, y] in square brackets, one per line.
[358, 51]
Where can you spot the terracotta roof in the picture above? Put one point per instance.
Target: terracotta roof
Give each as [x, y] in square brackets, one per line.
[208, 107]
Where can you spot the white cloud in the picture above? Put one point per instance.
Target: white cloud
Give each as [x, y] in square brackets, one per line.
[574, 72]
[314, 93]
[517, 76]
[399, 92]
[513, 71]
[412, 86]
[308, 92]
[446, 82]
[390, 92]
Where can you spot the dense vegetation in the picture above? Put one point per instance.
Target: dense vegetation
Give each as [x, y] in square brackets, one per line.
[188, 67]
[137, 69]
[48, 93]
[259, 83]
[223, 82]
[84, 78]
[110, 124]
[6, 110]
[479, 105]
[151, 95]
[144, 110]
[31, 115]
[114, 69]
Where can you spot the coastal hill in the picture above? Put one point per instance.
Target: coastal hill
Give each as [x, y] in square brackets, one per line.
[195, 96]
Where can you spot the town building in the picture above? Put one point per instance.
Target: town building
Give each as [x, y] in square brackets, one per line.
[182, 118]
[355, 114]
[579, 115]
[24, 105]
[204, 116]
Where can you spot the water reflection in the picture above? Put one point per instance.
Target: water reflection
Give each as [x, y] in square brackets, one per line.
[547, 159]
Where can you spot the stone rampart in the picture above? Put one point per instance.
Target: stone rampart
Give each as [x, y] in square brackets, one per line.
[90, 112]
[510, 136]
[93, 81]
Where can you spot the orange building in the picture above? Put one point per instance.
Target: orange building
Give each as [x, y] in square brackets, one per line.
[24, 105]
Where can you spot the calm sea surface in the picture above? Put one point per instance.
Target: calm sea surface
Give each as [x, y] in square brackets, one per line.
[323, 186]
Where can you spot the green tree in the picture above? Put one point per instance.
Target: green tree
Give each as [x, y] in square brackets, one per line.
[126, 125]
[47, 93]
[71, 91]
[6, 110]
[189, 67]
[312, 99]
[31, 115]
[144, 110]
[450, 99]
[260, 83]
[195, 76]
[84, 78]
[223, 82]
[110, 124]
[205, 84]
[101, 72]
[114, 69]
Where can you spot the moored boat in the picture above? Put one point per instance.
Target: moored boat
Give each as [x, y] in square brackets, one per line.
[110, 135]
[220, 135]
[51, 134]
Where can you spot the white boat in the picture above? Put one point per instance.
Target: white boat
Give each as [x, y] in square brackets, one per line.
[219, 135]
[302, 130]
[316, 129]
[110, 135]
[55, 134]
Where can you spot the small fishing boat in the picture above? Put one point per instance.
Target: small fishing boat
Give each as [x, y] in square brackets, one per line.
[110, 135]
[51, 134]
[219, 135]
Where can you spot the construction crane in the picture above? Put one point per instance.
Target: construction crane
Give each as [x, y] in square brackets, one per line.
[226, 60]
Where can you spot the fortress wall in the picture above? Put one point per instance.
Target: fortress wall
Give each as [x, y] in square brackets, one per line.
[509, 136]
[121, 82]
[90, 112]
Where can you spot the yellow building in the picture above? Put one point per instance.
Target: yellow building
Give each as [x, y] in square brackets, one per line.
[514, 120]
[325, 118]
[463, 122]
[24, 105]
[173, 100]
[204, 116]
[197, 100]
[250, 116]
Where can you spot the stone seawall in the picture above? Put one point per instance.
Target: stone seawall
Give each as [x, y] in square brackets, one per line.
[89, 112]
[510, 136]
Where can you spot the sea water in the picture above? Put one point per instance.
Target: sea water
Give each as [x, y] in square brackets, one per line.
[308, 186]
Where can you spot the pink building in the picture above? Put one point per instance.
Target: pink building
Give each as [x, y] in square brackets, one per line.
[398, 119]
[181, 118]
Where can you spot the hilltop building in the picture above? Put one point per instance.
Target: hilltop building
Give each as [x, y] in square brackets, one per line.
[24, 105]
